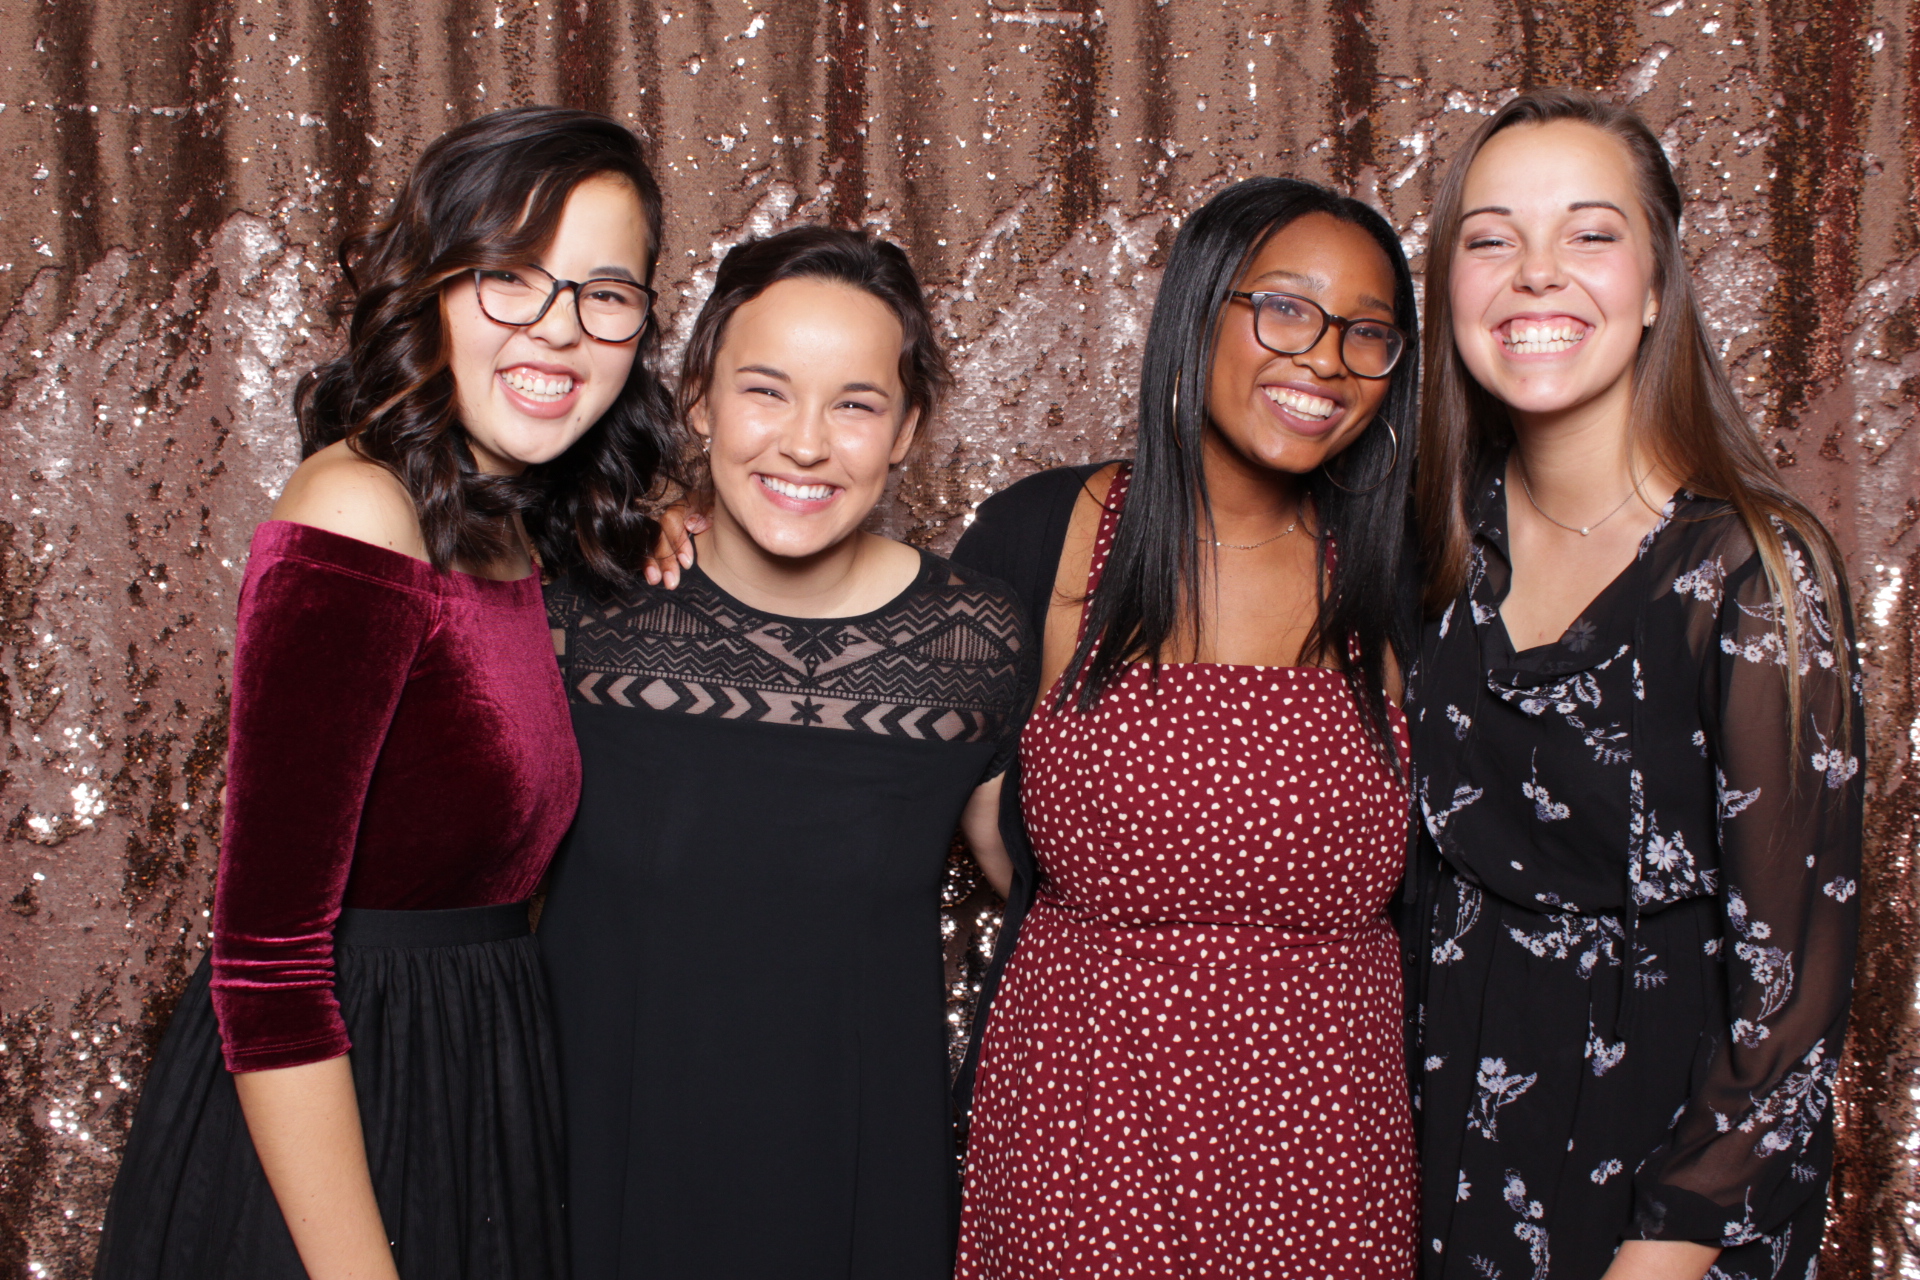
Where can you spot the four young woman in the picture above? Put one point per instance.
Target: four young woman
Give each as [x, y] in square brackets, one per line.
[1631, 749]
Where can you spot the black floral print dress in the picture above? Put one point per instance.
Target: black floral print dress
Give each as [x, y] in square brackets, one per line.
[1640, 899]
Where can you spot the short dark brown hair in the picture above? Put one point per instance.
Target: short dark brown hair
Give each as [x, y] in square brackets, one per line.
[855, 258]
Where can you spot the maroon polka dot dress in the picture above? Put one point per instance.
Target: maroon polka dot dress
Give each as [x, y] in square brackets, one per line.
[1194, 1064]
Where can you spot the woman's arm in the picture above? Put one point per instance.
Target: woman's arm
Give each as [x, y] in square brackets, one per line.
[1755, 1141]
[980, 824]
[323, 651]
[305, 1124]
[1661, 1260]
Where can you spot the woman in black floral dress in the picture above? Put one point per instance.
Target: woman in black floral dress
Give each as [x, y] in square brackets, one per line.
[1638, 768]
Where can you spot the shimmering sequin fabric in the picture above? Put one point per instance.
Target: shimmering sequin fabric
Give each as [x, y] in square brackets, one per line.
[1194, 1065]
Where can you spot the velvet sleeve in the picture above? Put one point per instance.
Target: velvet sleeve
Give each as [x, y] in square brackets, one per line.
[1756, 1138]
[321, 655]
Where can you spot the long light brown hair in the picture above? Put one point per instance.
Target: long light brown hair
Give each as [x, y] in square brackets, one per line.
[1684, 412]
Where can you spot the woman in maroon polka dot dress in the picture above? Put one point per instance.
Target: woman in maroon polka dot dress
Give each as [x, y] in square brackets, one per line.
[1193, 1063]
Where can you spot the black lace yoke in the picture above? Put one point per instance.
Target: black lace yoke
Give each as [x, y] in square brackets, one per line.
[943, 662]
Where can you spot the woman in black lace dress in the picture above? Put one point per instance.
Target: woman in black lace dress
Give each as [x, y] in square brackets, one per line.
[1637, 746]
[743, 930]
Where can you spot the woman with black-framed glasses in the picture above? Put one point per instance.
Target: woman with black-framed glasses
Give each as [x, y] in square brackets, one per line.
[360, 1081]
[1192, 1063]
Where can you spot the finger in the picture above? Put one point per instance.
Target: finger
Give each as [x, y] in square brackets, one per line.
[652, 574]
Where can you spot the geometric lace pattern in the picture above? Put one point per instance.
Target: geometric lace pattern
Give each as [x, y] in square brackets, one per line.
[946, 661]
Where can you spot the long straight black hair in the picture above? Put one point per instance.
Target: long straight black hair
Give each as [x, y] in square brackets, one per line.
[1152, 573]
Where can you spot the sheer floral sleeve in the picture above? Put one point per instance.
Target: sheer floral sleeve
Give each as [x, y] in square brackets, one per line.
[1755, 1140]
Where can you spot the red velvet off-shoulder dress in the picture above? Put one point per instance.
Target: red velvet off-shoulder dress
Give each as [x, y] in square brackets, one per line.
[401, 769]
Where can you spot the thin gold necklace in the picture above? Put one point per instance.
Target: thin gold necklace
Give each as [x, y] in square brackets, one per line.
[1582, 529]
[1248, 546]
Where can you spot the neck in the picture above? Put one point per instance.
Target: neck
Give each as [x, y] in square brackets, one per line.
[1247, 501]
[1580, 460]
[811, 586]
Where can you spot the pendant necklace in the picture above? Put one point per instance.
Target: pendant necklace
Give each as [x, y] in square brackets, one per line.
[1582, 529]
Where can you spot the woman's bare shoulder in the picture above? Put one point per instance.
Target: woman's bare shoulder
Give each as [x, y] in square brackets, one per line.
[338, 490]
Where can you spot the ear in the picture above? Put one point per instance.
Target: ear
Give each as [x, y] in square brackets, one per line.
[700, 420]
[903, 439]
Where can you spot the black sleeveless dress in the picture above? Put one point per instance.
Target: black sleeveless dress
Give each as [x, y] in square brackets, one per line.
[743, 930]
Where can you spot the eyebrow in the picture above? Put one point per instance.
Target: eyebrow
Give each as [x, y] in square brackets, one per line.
[1501, 211]
[764, 370]
[1320, 283]
[613, 273]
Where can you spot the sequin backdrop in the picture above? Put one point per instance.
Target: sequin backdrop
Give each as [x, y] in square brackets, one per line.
[177, 172]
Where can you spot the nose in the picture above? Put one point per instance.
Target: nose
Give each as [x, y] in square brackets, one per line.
[807, 441]
[1323, 357]
[1539, 270]
[560, 327]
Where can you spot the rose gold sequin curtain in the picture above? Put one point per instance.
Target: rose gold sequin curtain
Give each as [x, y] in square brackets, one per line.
[177, 172]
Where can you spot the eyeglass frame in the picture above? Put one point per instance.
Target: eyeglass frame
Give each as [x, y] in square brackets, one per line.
[559, 287]
[1328, 320]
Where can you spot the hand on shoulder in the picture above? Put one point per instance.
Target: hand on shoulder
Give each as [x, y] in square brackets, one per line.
[341, 492]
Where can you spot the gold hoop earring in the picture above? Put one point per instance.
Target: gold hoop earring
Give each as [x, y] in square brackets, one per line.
[1391, 464]
[1176, 412]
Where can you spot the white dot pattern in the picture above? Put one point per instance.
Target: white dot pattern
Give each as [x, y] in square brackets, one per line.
[1194, 1065]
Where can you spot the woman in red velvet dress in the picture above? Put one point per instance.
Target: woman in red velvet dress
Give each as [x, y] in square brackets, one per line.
[1193, 1064]
[361, 1081]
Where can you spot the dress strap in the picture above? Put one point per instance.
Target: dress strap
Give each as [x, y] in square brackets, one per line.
[1103, 539]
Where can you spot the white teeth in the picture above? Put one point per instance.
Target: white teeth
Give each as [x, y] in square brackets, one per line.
[804, 492]
[1307, 406]
[1536, 339]
[535, 387]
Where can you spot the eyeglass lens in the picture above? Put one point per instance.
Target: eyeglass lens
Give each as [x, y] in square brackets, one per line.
[610, 310]
[1292, 325]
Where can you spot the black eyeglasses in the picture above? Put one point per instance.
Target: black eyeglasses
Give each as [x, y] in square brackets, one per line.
[1290, 325]
[609, 308]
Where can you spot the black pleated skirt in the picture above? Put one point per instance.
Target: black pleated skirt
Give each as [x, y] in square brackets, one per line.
[459, 1098]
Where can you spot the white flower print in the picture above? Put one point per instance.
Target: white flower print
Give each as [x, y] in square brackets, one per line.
[1601, 1056]
[1484, 1268]
[1579, 636]
[1463, 795]
[1592, 939]
[1771, 967]
[1544, 806]
[1733, 801]
[1835, 763]
[1565, 698]
[1704, 583]
[1466, 912]
[1483, 613]
[1839, 888]
[1435, 1061]
[1791, 1112]
[1699, 740]
[1461, 722]
[1496, 1090]
[1462, 1189]
[1446, 620]
[1660, 867]
[1743, 1231]
[1528, 1228]
[1604, 1170]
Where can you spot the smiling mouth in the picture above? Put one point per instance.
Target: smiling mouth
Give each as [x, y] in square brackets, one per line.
[798, 492]
[1319, 408]
[1542, 339]
[534, 386]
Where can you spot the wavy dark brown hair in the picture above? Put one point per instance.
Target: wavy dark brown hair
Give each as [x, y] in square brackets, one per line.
[490, 194]
[1684, 411]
